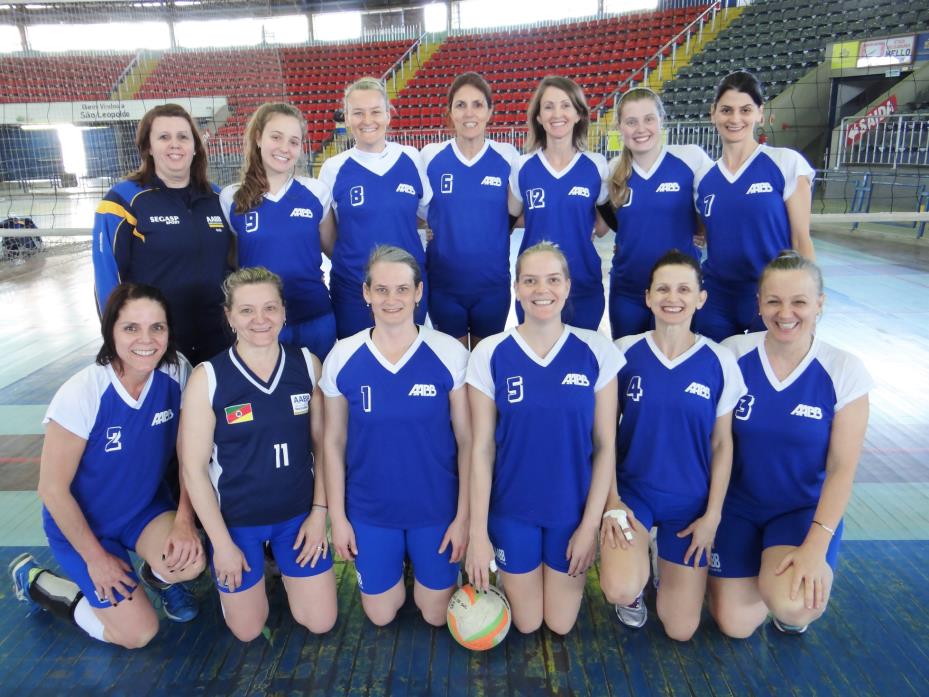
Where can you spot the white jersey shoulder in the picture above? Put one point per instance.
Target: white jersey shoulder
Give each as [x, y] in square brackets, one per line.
[429, 152]
[479, 375]
[624, 343]
[311, 371]
[226, 197]
[330, 169]
[608, 356]
[506, 151]
[792, 165]
[319, 189]
[515, 170]
[450, 351]
[733, 384]
[343, 350]
[602, 170]
[740, 344]
[691, 155]
[849, 376]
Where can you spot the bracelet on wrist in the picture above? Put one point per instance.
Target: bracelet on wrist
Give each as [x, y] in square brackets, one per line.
[319, 505]
[825, 527]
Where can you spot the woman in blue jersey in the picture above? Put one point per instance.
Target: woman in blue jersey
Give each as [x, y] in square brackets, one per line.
[163, 226]
[469, 251]
[397, 449]
[250, 438]
[798, 436]
[110, 437]
[283, 222]
[543, 406]
[377, 190]
[557, 186]
[754, 201]
[651, 188]
[674, 454]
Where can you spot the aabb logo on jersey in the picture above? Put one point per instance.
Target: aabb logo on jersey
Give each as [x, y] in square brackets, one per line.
[163, 417]
[668, 186]
[579, 191]
[301, 213]
[215, 222]
[807, 411]
[760, 188]
[423, 391]
[491, 181]
[578, 379]
[166, 219]
[698, 389]
[406, 189]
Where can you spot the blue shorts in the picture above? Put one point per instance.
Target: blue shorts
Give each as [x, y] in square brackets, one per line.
[381, 552]
[250, 539]
[670, 513]
[459, 314]
[316, 334]
[352, 313]
[520, 547]
[727, 312]
[742, 537]
[74, 566]
[629, 314]
[584, 311]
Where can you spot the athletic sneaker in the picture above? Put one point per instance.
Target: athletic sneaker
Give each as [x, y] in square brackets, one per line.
[784, 628]
[23, 570]
[633, 615]
[177, 601]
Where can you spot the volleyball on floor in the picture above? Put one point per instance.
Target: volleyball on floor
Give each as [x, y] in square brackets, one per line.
[478, 621]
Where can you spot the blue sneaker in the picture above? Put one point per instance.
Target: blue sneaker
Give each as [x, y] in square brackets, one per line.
[178, 603]
[24, 570]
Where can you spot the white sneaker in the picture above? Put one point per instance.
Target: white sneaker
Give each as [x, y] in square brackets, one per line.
[633, 615]
[784, 628]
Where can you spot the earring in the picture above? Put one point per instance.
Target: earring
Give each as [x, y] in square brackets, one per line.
[368, 305]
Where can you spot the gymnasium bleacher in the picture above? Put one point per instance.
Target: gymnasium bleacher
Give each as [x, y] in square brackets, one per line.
[796, 33]
[60, 78]
[598, 54]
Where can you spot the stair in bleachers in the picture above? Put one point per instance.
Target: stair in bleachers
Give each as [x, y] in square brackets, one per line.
[795, 36]
[597, 54]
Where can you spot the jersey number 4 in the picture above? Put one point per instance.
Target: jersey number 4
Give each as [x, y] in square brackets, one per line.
[634, 390]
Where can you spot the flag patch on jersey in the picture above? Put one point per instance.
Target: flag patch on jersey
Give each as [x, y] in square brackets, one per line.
[239, 413]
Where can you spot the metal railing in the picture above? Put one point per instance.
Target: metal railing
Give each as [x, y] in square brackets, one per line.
[895, 140]
[641, 73]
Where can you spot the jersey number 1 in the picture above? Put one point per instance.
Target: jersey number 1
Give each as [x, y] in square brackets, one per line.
[280, 456]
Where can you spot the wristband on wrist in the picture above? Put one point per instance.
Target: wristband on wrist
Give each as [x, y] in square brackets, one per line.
[825, 527]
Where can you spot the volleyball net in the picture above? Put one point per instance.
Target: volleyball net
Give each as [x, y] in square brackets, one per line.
[849, 88]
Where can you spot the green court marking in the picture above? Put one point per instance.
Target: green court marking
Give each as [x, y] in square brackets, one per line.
[21, 520]
[888, 512]
[22, 420]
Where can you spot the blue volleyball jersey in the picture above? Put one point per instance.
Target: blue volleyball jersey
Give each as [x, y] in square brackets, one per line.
[262, 463]
[375, 197]
[658, 216]
[130, 442]
[561, 207]
[282, 234]
[401, 457]
[669, 409]
[468, 215]
[745, 215]
[545, 420]
[782, 428]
